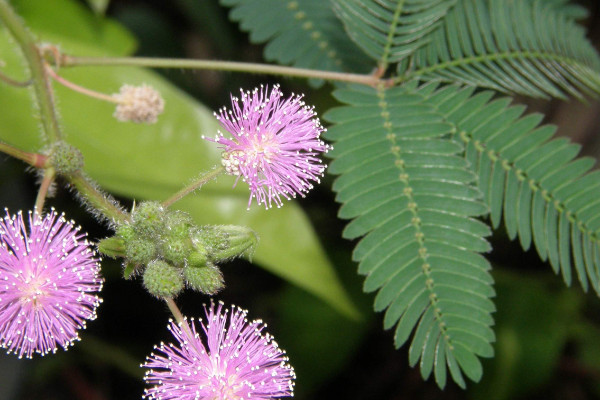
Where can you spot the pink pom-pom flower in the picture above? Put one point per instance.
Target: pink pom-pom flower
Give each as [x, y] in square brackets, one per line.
[230, 358]
[49, 279]
[275, 144]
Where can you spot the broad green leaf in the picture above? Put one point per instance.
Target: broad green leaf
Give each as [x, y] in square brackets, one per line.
[154, 161]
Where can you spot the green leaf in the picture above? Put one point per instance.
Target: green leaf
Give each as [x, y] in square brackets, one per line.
[407, 189]
[548, 196]
[154, 161]
[528, 47]
[302, 33]
[70, 23]
[391, 30]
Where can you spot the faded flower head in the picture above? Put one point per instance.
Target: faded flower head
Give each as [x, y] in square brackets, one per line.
[238, 362]
[274, 146]
[49, 277]
[138, 104]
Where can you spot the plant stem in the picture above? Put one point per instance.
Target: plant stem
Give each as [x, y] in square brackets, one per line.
[80, 89]
[193, 186]
[40, 81]
[34, 159]
[175, 310]
[70, 61]
[101, 202]
[49, 175]
[13, 82]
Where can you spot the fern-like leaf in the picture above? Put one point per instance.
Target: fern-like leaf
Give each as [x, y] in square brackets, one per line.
[302, 33]
[390, 30]
[547, 197]
[408, 192]
[531, 47]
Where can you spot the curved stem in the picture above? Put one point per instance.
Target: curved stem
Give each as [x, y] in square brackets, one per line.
[41, 83]
[193, 186]
[71, 61]
[49, 175]
[13, 82]
[80, 89]
[36, 160]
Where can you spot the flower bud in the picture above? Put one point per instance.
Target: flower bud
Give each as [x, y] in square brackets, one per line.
[149, 219]
[126, 232]
[198, 258]
[162, 279]
[178, 224]
[138, 104]
[208, 279]
[140, 251]
[225, 242]
[176, 250]
[65, 158]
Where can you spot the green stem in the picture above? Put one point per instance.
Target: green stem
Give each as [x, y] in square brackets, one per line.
[49, 175]
[101, 202]
[34, 159]
[193, 186]
[175, 311]
[70, 61]
[41, 83]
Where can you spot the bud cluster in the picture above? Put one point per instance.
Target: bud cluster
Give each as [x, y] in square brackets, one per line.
[170, 251]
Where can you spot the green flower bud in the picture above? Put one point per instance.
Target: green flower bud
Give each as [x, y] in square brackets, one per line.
[126, 232]
[225, 242]
[208, 279]
[176, 250]
[178, 224]
[112, 247]
[149, 219]
[198, 258]
[65, 158]
[162, 279]
[140, 251]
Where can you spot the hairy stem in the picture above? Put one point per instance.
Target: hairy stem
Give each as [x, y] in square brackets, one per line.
[70, 61]
[193, 186]
[41, 83]
[36, 160]
[49, 175]
[90, 192]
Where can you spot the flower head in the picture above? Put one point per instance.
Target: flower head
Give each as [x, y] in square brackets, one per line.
[274, 146]
[49, 277]
[238, 362]
[138, 104]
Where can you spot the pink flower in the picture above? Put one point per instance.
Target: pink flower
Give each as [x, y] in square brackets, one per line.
[275, 144]
[239, 362]
[49, 275]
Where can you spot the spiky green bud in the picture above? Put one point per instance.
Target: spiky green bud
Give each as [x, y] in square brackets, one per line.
[162, 279]
[149, 219]
[198, 257]
[176, 250]
[126, 232]
[140, 251]
[208, 279]
[65, 158]
[224, 242]
[178, 224]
